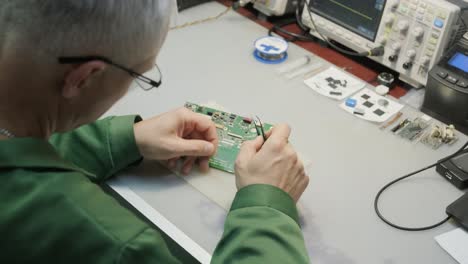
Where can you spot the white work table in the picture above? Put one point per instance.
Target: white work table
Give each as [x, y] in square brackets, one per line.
[351, 158]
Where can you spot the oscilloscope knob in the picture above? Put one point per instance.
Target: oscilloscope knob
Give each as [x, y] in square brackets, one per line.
[382, 41]
[393, 58]
[418, 33]
[395, 4]
[403, 26]
[396, 46]
[407, 65]
[411, 53]
[389, 20]
[425, 60]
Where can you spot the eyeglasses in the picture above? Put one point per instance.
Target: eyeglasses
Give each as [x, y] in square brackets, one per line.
[144, 82]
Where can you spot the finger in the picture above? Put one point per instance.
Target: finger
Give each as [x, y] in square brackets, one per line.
[172, 163]
[250, 148]
[201, 136]
[204, 164]
[280, 132]
[193, 147]
[203, 125]
[188, 165]
[278, 138]
[268, 133]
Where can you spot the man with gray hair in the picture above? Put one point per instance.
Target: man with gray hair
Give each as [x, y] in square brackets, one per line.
[63, 63]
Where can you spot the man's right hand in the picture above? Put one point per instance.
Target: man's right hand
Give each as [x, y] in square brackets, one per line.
[273, 162]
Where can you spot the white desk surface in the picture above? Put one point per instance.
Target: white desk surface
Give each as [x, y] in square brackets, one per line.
[352, 159]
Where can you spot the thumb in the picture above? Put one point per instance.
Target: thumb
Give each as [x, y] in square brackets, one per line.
[193, 147]
[250, 148]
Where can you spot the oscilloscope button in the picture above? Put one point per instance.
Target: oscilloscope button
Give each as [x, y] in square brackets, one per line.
[403, 25]
[389, 20]
[396, 46]
[418, 32]
[411, 53]
[438, 23]
[451, 79]
[442, 74]
[425, 60]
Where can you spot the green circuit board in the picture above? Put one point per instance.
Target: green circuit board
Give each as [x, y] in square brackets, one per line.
[232, 131]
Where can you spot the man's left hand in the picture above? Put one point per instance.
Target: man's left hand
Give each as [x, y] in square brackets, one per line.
[177, 134]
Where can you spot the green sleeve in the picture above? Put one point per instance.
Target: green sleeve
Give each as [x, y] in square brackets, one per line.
[147, 247]
[101, 148]
[261, 227]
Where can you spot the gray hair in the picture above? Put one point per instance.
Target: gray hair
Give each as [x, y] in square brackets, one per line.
[120, 29]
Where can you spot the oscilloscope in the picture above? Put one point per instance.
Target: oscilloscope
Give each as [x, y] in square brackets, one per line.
[413, 33]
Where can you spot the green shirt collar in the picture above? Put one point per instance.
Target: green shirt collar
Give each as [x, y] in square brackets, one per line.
[33, 153]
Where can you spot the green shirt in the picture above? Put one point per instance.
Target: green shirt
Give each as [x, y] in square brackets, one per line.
[52, 209]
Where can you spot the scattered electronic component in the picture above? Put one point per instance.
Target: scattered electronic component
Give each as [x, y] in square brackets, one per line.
[383, 102]
[368, 104]
[378, 108]
[382, 90]
[232, 131]
[440, 135]
[351, 102]
[379, 112]
[359, 111]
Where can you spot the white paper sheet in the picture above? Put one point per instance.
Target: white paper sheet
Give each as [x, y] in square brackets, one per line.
[368, 101]
[455, 243]
[335, 83]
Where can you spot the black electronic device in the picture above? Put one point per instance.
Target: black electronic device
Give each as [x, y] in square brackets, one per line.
[446, 95]
[455, 170]
[185, 4]
[458, 210]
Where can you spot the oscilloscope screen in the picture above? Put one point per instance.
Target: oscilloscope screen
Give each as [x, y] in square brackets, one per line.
[360, 16]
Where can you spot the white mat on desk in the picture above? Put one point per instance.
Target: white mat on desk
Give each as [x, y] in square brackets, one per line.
[219, 186]
[455, 243]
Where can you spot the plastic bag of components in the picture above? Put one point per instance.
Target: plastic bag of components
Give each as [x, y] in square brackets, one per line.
[414, 129]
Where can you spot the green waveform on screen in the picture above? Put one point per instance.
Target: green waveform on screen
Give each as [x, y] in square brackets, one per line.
[352, 10]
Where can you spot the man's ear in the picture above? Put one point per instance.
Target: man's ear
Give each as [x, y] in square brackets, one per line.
[78, 77]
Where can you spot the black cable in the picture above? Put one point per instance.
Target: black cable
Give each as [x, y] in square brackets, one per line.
[299, 11]
[377, 197]
[373, 52]
[294, 36]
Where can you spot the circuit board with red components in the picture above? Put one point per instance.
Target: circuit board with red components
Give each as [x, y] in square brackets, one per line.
[232, 131]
